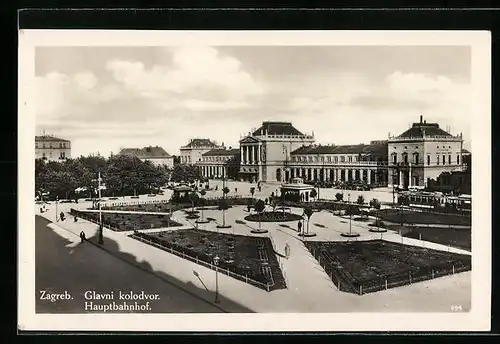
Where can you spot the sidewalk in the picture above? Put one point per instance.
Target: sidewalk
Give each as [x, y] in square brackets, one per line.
[309, 288]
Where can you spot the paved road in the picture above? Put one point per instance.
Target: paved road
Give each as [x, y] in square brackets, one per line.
[67, 265]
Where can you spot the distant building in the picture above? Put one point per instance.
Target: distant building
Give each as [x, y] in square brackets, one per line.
[422, 153]
[192, 153]
[157, 155]
[50, 148]
[220, 162]
[264, 153]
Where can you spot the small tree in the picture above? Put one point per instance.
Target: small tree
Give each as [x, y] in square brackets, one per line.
[193, 197]
[308, 211]
[339, 196]
[202, 201]
[375, 204]
[259, 208]
[361, 200]
[225, 191]
[223, 205]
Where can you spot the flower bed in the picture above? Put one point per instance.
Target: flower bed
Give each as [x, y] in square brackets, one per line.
[128, 222]
[408, 216]
[273, 216]
[242, 257]
[368, 266]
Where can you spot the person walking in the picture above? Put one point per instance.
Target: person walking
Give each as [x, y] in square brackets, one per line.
[299, 226]
[82, 236]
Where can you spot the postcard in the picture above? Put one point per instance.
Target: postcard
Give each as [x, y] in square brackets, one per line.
[254, 181]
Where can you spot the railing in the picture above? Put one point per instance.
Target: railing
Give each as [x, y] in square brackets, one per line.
[426, 137]
[203, 263]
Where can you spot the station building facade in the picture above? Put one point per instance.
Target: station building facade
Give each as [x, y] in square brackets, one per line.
[265, 152]
[422, 153]
[346, 163]
[220, 163]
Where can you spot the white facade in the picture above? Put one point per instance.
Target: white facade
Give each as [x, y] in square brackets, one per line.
[51, 148]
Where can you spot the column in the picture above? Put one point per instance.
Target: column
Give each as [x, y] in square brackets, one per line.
[241, 154]
[258, 153]
[400, 179]
[409, 176]
[369, 176]
[247, 160]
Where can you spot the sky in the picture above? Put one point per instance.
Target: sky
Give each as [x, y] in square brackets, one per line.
[107, 98]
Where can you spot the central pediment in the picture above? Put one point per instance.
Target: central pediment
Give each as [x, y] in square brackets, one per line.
[249, 139]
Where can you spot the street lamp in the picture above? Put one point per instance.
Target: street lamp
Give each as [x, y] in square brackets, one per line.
[350, 212]
[216, 263]
[57, 216]
[100, 232]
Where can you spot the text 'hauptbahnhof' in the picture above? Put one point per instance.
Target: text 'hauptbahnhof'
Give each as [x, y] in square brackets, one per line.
[279, 152]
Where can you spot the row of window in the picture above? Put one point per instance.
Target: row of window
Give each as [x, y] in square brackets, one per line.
[310, 158]
[62, 155]
[216, 158]
[61, 145]
[439, 158]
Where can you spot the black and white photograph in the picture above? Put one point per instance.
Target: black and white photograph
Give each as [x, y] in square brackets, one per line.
[266, 181]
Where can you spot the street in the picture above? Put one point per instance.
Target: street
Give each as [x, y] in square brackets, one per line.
[70, 266]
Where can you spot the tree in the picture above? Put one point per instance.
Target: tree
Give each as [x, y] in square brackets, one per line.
[202, 202]
[223, 205]
[225, 191]
[361, 200]
[308, 211]
[193, 197]
[339, 196]
[252, 191]
[259, 208]
[313, 193]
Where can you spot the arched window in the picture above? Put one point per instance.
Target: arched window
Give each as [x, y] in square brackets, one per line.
[405, 158]
[415, 158]
[278, 174]
[394, 158]
[449, 159]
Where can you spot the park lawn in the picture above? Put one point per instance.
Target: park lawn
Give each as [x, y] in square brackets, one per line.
[129, 222]
[365, 266]
[251, 257]
[459, 238]
[408, 216]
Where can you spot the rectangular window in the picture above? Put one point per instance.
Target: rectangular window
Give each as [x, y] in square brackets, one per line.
[336, 159]
[322, 159]
[458, 159]
[342, 158]
[43, 145]
[444, 159]
[355, 158]
[350, 158]
[428, 159]
[437, 160]
[405, 157]
[395, 159]
[329, 159]
[449, 159]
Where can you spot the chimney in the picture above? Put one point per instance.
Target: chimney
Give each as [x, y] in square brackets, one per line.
[421, 119]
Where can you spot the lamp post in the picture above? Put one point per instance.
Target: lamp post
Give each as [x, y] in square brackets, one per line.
[57, 216]
[350, 213]
[100, 232]
[216, 263]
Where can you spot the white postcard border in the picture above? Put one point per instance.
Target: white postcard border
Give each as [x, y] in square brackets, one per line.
[478, 319]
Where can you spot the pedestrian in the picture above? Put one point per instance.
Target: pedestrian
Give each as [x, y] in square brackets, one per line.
[235, 190]
[62, 216]
[76, 219]
[82, 236]
[299, 226]
[41, 210]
